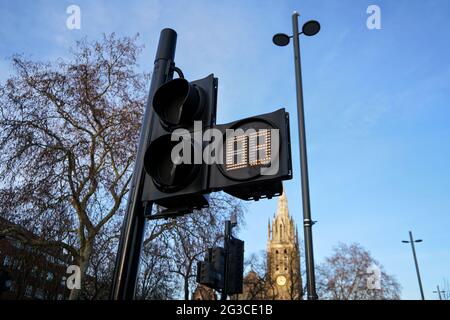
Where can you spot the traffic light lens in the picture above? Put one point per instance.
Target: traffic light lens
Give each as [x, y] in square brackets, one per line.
[167, 175]
[178, 103]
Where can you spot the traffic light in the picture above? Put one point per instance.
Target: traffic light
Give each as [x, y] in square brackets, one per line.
[172, 183]
[5, 281]
[257, 157]
[235, 266]
[254, 154]
[217, 258]
[205, 274]
[211, 271]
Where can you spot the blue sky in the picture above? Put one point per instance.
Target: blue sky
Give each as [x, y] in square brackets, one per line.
[376, 101]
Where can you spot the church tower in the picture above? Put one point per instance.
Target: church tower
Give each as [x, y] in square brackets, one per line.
[283, 255]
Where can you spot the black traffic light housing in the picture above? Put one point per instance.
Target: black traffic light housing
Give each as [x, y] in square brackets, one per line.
[176, 105]
[206, 274]
[180, 186]
[245, 178]
[235, 272]
[5, 281]
[211, 271]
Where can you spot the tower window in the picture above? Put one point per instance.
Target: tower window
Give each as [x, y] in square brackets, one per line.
[276, 252]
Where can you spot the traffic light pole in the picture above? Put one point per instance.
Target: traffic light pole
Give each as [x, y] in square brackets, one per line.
[132, 234]
[307, 222]
[228, 227]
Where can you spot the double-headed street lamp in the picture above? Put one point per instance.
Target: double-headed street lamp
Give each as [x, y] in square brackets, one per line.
[412, 241]
[310, 28]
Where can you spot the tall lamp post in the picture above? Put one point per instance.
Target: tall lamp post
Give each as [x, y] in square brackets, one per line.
[412, 241]
[310, 28]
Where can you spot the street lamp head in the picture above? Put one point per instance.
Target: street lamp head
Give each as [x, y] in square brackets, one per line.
[281, 39]
[418, 240]
[311, 28]
[404, 241]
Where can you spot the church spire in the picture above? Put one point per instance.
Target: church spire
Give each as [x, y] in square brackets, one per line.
[283, 206]
[283, 253]
[282, 228]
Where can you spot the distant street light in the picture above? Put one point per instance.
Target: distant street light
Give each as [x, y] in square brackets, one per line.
[412, 241]
[310, 28]
[439, 291]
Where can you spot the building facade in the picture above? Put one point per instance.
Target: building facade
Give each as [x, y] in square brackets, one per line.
[33, 272]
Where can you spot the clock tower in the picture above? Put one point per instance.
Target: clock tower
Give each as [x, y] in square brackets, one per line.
[283, 255]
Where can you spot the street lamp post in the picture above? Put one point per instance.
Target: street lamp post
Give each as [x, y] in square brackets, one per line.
[439, 291]
[310, 28]
[412, 241]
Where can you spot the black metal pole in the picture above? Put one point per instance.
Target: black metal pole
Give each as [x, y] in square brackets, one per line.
[439, 293]
[132, 234]
[307, 222]
[417, 265]
[226, 246]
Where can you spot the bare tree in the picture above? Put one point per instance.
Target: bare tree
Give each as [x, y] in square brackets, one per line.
[346, 275]
[294, 289]
[98, 279]
[156, 282]
[173, 247]
[258, 284]
[67, 144]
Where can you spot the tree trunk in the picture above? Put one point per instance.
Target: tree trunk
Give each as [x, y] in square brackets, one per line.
[85, 255]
